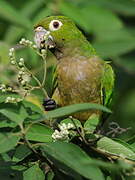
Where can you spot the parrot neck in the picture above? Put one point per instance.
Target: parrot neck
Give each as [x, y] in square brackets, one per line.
[75, 49]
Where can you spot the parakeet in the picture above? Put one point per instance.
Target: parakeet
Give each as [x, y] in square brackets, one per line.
[81, 75]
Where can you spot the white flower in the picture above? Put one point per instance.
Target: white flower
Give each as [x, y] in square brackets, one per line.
[63, 133]
[20, 64]
[8, 99]
[12, 100]
[70, 126]
[43, 51]
[23, 82]
[21, 60]
[3, 90]
[10, 54]
[63, 126]
[12, 50]
[26, 42]
[18, 99]
[22, 68]
[22, 41]
[34, 46]
[9, 89]
[3, 85]
[21, 72]
[13, 62]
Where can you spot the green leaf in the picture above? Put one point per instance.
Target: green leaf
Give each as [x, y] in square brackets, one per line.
[42, 14]
[22, 112]
[131, 140]
[108, 145]
[114, 48]
[6, 173]
[21, 152]
[96, 17]
[3, 96]
[14, 32]
[101, 19]
[33, 173]
[123, 7]
[39, 133]
[12, 116]
[126, 62]
[108, 178]
[73, 157]
[4, 51]
[4, 122]
[6, 157]
[71, 109]
[49, 176]
[124, 144]
[19, 167]
[34, 4]
[68, 9]
[11, 14]
[91, 124]
[32, 107]
[132, 146]
[8, 141]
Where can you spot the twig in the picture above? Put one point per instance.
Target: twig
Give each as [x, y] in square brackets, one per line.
[82, 137]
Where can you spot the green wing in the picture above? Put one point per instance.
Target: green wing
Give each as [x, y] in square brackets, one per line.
[53, 80]
[107, 85]
[55, 91]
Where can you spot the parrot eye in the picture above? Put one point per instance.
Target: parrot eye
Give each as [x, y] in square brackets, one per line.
[55, 25]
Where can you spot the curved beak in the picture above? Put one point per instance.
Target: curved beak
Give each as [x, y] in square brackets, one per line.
[43, 39]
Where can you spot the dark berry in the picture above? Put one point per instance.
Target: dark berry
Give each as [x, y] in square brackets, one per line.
[49, 104]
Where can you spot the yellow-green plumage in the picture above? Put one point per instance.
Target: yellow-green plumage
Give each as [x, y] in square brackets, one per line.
[81, 74]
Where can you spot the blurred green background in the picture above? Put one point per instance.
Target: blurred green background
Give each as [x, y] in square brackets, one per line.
[109, 25]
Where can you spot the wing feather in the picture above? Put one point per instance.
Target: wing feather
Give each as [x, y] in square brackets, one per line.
[107, 85]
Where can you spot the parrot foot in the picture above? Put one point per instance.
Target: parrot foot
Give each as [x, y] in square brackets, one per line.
[49, 104]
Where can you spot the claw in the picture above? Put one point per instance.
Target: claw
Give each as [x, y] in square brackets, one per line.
[49, 104]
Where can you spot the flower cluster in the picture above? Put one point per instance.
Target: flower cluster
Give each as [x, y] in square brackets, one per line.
[12, 100]
[5, 88]
[63, 133]
[12, 56]
[24, 75]
[28, 43]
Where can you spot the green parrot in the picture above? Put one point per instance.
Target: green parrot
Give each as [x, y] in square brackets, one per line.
[81, 76]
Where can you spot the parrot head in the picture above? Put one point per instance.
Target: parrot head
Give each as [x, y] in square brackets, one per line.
[62, 33]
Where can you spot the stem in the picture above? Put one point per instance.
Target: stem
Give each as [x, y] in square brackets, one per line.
[43, 54]
[26, 141]
[44, 77]
[79, 133]
[39, 156]
[37, 80]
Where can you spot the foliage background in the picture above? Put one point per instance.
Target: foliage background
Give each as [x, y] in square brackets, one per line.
[110, 27]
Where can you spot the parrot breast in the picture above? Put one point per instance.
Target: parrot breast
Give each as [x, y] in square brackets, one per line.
[79, 81]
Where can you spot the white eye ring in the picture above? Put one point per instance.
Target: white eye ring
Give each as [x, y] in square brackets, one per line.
[55, 25]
